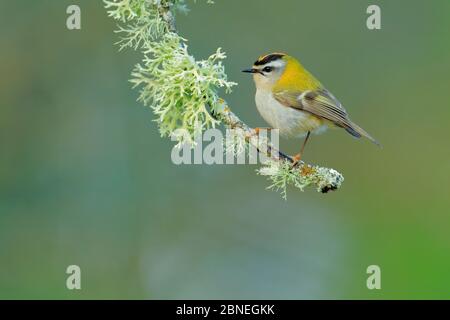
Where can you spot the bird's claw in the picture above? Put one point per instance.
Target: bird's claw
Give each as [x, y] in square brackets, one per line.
[296, 160]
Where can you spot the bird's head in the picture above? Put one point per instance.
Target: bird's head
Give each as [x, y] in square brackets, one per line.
[269, 69]
[281, 71]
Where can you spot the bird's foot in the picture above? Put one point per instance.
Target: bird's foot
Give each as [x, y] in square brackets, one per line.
[296, 160]
[257, 130]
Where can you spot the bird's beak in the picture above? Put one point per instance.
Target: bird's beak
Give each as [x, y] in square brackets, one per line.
[252, 70]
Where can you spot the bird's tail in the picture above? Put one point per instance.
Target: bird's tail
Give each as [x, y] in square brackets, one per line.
[357, 131]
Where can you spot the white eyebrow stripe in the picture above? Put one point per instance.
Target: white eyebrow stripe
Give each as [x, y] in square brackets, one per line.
[275, 64]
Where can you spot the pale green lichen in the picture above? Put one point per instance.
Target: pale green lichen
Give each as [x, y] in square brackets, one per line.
[282, 174]
[181, 90]
[235, 142]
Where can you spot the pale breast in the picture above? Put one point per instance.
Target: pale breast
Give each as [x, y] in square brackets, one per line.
[291, 122]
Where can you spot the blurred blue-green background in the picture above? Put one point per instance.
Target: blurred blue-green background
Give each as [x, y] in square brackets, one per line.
[85, 178]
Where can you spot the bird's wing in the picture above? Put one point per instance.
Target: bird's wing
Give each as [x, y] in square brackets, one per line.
[321, 103]
[318, 102]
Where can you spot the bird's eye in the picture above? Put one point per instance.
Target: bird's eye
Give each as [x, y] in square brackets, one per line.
[267, 69]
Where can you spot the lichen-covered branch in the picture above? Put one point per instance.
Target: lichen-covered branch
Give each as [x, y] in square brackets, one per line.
[279, 167]
[183, 91]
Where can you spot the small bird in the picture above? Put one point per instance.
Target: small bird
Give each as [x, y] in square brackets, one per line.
[290, 99]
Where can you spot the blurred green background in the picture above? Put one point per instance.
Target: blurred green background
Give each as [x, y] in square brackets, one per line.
[85, 178]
